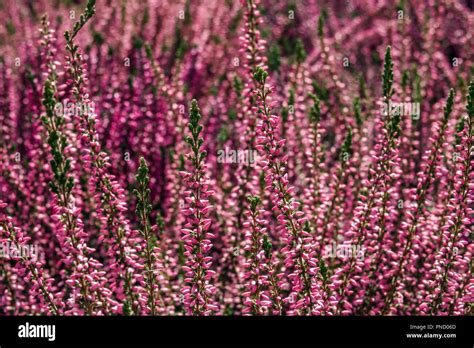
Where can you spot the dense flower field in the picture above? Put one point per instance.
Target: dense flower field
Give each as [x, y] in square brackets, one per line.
[214, 157]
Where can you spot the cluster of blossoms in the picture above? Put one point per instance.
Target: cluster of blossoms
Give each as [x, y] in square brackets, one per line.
[359, 200]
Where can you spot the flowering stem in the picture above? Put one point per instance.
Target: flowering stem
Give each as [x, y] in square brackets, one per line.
[254, 237]
[106, 189]
[389, 137]
[143, 210]
[421, 192]
[300, 256]
[33, 267]
[462, 194]
[198, 294]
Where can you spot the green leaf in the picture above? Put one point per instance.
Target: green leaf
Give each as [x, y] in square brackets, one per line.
[387, 76]
[300, 51]
[260, 75]
[448, 108]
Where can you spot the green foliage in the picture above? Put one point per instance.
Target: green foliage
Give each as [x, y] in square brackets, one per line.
[61, 184]
[195, 128]
[223, 134]
[267, 247]
[88, 13]
[323, 269]
[347, 144]
[417, 87]
[459, 129]
[234, 23]
[387, 76]
[394, 126]
[315, 109]
[254, 202]
[321, 21]
[180, 45]
[238, 85]
[292, 98]
[273, 57]
[187, 13]
[357, 111]
[137, 42]
[143, 208]
[470, 100]
[401, 5]
[405, 78]
[321, 91]
[10, 28]
[261, 180]
[160, 222]
[448, 108]
[232, 113]
[260, 75]
[300, 51]
[98, 38]
[148, 51]
[146, 16]
[195, 115]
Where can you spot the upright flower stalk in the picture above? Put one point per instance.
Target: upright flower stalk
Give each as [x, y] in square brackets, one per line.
[84, 279]
[257, 300]
[115, 230]
[417, 209]
[328, 224]
[41, 283]
[150, 251]
[305, 294]
[350, 274]
[252, 48]
[315, 155]
[447, 285]
[199, 293]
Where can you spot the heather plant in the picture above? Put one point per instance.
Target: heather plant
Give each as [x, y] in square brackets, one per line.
[326, 171]
[198, 295]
